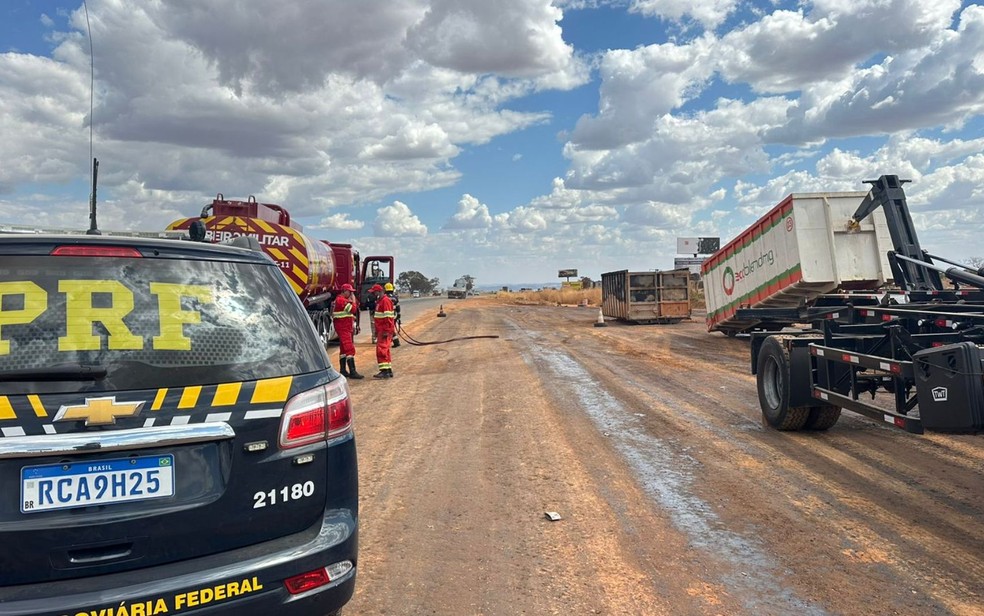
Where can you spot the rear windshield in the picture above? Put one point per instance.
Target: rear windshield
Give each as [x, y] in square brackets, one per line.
[147, 323]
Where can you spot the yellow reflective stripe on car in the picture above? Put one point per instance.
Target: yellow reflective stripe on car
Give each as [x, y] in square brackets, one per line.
[193, 398]
[272, 390]
[6, 410]
[159, 399]
[36, 405]
[189, 398]
[226, 394]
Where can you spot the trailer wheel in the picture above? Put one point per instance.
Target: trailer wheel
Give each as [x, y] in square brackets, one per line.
[822, 417]
[773, 380]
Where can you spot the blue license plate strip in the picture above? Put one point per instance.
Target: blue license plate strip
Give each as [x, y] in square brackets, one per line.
[98, 482]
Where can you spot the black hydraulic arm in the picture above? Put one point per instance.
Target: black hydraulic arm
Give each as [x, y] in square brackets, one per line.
[912, 273]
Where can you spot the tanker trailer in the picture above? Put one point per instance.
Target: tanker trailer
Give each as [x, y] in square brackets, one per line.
[804, 247]
[307, 264]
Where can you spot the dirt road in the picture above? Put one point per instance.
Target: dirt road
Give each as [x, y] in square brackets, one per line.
[647, 440]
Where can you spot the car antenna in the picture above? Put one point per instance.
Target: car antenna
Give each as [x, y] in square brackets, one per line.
[93, 227]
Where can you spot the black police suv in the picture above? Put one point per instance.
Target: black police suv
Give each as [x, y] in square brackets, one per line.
[173, 438]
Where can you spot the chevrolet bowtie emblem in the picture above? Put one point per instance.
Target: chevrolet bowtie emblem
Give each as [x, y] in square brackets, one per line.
[98, 411]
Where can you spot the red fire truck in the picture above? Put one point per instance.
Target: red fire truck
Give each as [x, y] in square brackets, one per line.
[316, 269]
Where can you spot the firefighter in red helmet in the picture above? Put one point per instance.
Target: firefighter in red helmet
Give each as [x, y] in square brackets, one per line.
[343, 316]
[385, 318]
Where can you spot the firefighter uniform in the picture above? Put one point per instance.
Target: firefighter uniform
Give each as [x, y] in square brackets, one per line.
[391, 293]
[385, 318]
[343, 316]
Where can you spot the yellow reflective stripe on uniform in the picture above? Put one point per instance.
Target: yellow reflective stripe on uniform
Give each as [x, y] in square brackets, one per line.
[342, 315]
[37, 406]
[385, 366]
[6, 411]
[189, 397]
[272, 390]
[226, 394]
[159, 399]
[389, 314]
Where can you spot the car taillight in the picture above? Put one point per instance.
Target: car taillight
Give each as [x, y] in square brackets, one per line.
[307, 581]
[95, 251]
[316, 415]
[319, 577]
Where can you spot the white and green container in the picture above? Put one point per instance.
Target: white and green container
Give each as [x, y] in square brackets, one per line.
[804, 247]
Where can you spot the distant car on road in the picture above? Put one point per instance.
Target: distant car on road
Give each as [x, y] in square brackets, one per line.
[416, 294]
[174, 434]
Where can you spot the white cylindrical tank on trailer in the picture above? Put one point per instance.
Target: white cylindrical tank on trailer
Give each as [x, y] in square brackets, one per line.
[804, 247]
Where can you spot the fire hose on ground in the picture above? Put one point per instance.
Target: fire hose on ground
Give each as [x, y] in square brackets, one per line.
[402, 333]
[414, 342]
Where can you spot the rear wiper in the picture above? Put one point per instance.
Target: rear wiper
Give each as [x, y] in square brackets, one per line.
[56, 372]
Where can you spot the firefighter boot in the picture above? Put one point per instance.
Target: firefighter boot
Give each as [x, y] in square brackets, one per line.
[396, 341]
[341, 367]
[389, 373]
[351, 367]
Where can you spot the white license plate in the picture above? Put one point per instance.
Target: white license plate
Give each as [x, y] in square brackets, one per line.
[103, 482]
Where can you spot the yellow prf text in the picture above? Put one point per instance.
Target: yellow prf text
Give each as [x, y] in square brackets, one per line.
[81, 313]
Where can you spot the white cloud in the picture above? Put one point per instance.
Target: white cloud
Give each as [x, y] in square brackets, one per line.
[514, 38]
[471, 214]
[524, 220]
[339, 221]
[710, 13]
[318, 104]
[397, 220]
[638, 88]
[658, 215]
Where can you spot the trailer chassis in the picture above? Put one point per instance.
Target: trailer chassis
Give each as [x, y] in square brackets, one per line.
[858, 345]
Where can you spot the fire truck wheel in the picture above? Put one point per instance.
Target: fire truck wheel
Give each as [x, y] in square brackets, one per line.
[822, 417]
[325, 330]
[773, 379]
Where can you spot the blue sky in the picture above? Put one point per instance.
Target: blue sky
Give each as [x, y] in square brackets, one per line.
[504, 140]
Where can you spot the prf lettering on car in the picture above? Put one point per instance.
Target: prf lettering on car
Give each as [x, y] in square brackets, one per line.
[21, 302]
[181, 601]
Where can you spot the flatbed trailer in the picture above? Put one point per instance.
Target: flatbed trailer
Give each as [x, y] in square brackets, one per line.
[917, 350]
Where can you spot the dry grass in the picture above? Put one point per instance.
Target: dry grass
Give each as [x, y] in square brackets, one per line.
[552, 297]
[571, 297]
[697, 296]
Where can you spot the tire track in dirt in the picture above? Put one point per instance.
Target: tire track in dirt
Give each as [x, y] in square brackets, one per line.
[912, 551]
[455, 492]
[668, 475]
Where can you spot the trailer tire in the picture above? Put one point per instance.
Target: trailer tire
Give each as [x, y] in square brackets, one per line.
[822, 417]
[773, 381]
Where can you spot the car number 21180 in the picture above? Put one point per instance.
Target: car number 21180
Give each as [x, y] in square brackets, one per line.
[285, 494]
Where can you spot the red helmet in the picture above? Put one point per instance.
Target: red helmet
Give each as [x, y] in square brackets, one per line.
[347, 287]
[375, 288]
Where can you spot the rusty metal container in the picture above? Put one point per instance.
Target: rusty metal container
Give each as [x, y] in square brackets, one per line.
[646, 297]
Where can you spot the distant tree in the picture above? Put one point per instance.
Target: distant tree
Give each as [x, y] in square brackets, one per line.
[415, 281]
[470, 282]
[975, 262]
[586, 282]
